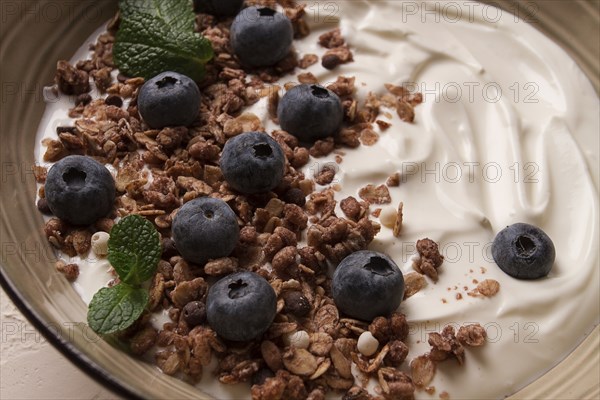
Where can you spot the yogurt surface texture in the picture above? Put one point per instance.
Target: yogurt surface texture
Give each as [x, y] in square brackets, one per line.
[507, 132]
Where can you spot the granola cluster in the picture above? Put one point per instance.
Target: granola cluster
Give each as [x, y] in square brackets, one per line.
[159, 170]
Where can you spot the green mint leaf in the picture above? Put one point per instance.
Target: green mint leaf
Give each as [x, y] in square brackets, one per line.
[158, 35]
[176, 13]
[116, 308]
[134, 249]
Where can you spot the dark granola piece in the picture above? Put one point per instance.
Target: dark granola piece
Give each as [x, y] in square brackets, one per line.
[296, 303]
[43, 207]
[337, 56]
[221, 266]
[70, 271]
[380, 329]
[188, 291]
[301, 157]
[375, 195]
[312, 258]
[143, 340]
[294, 218]
[356, 393]
[393, 180]
[55, 230]
[332, 39]
[272, 389]
[397, 353]
[471, 335]
[316, 394]
[446, 345]
[348, 137]
[80, 239]
[352, 208]
[430, 258]
[383, 125]
[102, 78]
[326, 175]
[488, 287]
[322, 148]
[55, 150]
[295, 196]
[343, 86]
[284, 262]
[395, 384]
[307, 60]
[71, 80]
[40, 173]
[307, 77]
[399, 326]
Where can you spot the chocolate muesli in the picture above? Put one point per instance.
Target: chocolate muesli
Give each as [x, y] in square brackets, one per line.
[291, 232]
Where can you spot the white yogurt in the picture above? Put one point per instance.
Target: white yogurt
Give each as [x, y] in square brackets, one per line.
[508, 132]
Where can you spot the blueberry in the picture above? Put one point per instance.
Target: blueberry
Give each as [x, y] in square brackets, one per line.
[241, 306]
[252, 162]
[367, 284]
[523, 251]
[169, 99]
[310, 112]
[219, 8]
[260, 36]
[205, 228]
[80, 190]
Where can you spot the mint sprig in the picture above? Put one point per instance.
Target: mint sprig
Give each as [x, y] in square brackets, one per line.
[156, 36]
[134, 252]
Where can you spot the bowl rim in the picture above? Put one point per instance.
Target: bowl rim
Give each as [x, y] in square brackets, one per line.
[116, 385]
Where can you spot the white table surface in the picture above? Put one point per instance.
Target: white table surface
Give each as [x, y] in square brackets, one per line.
[30, 368]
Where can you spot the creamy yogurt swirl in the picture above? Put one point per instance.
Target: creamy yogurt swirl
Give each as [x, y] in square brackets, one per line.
[507, 132]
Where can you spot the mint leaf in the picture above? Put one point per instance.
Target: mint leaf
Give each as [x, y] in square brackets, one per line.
[156, 36]
[134, 249]
[116, 308]
[178, 14]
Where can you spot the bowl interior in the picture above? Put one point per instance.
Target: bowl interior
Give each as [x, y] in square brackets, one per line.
[32, 41]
